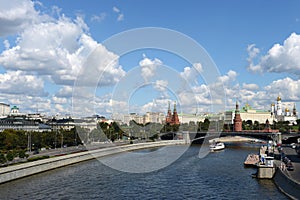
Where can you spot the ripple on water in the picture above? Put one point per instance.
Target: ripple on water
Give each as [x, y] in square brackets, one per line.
[218, 176]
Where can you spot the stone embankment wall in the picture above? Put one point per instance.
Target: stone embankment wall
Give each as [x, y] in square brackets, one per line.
[26, 169]
[288, 186]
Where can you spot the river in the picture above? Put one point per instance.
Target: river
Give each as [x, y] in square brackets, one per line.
[219, 175]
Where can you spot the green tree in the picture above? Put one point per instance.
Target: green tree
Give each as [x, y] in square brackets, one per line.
[2, 158]
[10, 155]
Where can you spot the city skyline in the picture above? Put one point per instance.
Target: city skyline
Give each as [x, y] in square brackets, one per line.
[255, 46]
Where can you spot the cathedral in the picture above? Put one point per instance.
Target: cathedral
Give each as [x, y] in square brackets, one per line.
[172, 119]
[283, 114]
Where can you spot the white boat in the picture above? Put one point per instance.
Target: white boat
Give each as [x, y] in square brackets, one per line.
[217, 146]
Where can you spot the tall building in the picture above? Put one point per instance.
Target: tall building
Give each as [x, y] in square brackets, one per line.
[286, 114]
[172, 119]
[279, 106]
[237, 119]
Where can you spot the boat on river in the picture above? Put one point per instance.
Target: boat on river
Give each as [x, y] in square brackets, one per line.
[217, 146]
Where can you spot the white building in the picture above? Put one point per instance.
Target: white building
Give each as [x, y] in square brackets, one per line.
[4, 109]
[248, 113]
[187, 118]
[287, 114]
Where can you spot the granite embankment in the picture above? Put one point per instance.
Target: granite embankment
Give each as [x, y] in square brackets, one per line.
[26, 169]
[286, 184]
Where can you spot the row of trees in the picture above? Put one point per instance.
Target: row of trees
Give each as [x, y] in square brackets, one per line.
[18, 139]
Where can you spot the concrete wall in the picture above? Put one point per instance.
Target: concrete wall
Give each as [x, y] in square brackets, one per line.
[26, 169]
[286, 185]
[265, 172]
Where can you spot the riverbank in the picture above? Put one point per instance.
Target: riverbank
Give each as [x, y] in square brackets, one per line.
[26, 169]
[234, 139]
[289, 181]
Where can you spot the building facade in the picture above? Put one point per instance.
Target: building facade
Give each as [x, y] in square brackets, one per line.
[4, 109]
[248, 113]
[282, 112]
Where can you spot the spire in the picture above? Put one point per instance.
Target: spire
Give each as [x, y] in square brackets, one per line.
[294, 110]
[237, 107]
[174, 106]
[169, 108]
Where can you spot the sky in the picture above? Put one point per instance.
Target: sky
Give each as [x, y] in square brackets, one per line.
[57, 57]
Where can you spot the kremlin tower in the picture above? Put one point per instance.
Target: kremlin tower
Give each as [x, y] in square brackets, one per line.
[172, 119]
[237, 121]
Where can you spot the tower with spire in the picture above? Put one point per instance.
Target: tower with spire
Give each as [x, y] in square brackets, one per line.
[279, 106]
[172, 119]
[294, 110]
[175, 119]
[237, 121]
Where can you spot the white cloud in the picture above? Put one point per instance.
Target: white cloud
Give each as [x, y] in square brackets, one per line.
[6, 44]
[148, 67]
[287, 88]
[17, 82]
[59, 49]
[161, 85]
[230, 76]
[252, 54]
[98, 18]
[192, 74]
[250, 86]
[120, 14]
[120, 17]
[15, 15]
[281, 58]
[115, 9]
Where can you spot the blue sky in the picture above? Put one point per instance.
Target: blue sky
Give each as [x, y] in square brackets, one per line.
[44, 45]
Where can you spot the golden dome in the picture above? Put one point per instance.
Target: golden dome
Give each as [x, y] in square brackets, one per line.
[273, 104]
[278, 98]
[287, 110]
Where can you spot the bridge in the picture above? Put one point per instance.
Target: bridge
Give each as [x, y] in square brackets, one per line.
[198, 137]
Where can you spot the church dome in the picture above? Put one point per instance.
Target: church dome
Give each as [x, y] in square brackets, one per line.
[287, 110]
[278, 98]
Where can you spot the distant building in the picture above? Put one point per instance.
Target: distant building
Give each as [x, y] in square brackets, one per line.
[4, 109]
[248, 113]
[172, 119]
[154, 117]
[14, 110]
[22, 123]
[283, 115]
[187, 118]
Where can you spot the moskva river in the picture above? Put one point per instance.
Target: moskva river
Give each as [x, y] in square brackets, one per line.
[219, 175]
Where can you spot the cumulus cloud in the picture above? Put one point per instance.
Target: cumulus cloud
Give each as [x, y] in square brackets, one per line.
[280, 58]
[148, 67]
[58, 49]
[192, 74]
[287, 88]
[17, 82]
[250, 86]
[230, 76]
[16, 15]
[252, 54]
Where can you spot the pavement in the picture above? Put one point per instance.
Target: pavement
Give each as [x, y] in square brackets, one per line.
[292, 155]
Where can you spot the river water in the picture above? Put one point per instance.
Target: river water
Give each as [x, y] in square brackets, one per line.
[220, 175]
